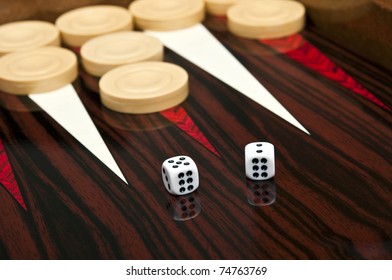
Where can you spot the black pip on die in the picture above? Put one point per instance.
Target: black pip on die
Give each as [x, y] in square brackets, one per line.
[259, 161]
[180, 175]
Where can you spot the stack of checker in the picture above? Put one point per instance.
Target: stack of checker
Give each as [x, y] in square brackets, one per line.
[133, 77]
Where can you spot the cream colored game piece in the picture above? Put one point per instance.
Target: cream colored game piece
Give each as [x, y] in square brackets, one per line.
[219, 7]
[168, 14]
[267, 19]
[144, 87]
[27, 35]
[103, 53]
[79, 25]
[35, 71]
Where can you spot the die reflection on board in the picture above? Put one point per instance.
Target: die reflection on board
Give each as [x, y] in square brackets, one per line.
[184, 207]
[261, 193]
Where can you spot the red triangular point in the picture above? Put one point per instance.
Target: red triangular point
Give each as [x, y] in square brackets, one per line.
[183, 121]
[300, 50]
[7, 177]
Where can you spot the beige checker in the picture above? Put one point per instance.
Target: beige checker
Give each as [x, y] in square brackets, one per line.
[27, 35]
[79, 25]
[103, 53]
[168, 14]
[144, 87]
[36, 71]
[267, 19]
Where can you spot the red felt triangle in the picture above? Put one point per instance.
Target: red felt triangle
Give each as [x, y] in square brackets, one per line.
[300, 50]
[183, 121]
[7, 177]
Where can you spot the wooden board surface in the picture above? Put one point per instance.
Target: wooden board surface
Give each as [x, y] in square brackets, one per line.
[333, 188]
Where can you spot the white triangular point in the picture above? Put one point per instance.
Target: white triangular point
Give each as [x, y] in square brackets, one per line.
[200, 47]
[66, 108]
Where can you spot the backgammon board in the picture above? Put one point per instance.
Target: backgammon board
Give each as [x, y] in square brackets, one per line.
[330, 197]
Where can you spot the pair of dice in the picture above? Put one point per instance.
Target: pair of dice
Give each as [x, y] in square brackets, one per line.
[180, 175]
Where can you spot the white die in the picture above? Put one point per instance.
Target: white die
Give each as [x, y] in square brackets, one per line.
[180, 175]
[259, 161]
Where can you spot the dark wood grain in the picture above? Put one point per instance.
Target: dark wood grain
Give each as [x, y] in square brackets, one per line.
[332, 189]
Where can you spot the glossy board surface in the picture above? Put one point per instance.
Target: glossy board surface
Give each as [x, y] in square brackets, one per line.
[330, 199]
